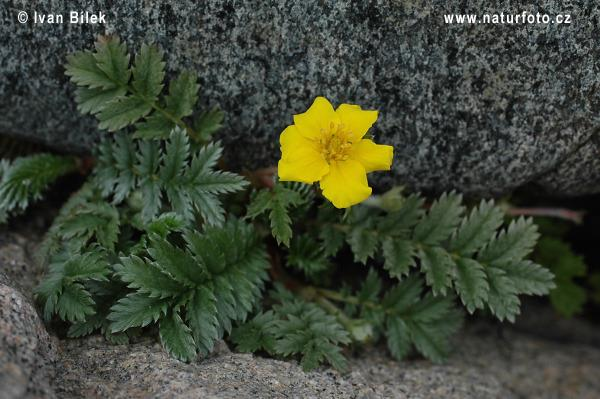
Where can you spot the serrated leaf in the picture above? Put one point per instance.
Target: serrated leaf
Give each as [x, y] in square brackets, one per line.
[403, 295]
[332, 239]
[502, 296]
[306, 255]
[148, 72]
[477, 229]
[112, 58]
[124, 161]
[207, 123]
[256, 334]
[90, 265]
[183, 94]
[25, 179]
[136, 310]
[441, 220]
[83, 328]
[398, 256]
[175, 261]
[93, 100]
[400, 222]
[201, 317]
[122, 112]
[147, 278]
[471, 284]
[363, 241]
[511, 245]
[398, 337]
[149, 159]
[156, 126]
[176, 338]
[176, 154]
[74, 303]
[529, 278]
[437, 264]
[83, 70]
[277, 201]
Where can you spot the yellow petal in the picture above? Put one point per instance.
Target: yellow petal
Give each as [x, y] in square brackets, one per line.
[292, 141]
[345, 184]
[300, 159]
[305, 168]
[356, 120]
[318, 118]
[372, 156]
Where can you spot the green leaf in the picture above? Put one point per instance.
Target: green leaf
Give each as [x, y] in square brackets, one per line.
[304, 328]
[26, 178]
[99, 220]
[123, 112]
[136, 310]
[90, 265]
[176, 154]
[511, 245]
[306, 255]
[148, 72]
[441, 220]
[399, 223]
[93, 100]
[112, 58]
[277, 201]
[149, 159]
[147, 278]
[74, 303]
[82, 69]
[568, 297]
[259, 204]
[155, 126]
[256, 334]
[202, 318]
[398, 338]
[471, 284]
[124, 161]
[476, 230]
[208, 123]
[83, 328]
[502, 296]
[398, 256]
[437, 264]
[332, 239]
[176, 262]
[176, 337]
[183, 94]
[529, 278]
[363, 241]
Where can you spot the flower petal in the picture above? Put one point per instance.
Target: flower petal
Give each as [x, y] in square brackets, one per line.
[372, 156]
[345, 184]
[300, 159]
[355, 119]
[291, 141]
[319, 117]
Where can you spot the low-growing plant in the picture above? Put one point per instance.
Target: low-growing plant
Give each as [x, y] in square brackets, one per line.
[160, 236]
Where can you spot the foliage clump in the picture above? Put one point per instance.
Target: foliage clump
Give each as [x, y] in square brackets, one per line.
[161, 236]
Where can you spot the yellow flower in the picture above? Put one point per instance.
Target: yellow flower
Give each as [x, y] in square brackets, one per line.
[327, 146]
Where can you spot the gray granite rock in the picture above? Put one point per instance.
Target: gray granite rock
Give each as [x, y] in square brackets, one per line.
[481, 108]
[27, 351]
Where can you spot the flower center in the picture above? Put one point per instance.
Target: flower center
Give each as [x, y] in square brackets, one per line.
[335, 143]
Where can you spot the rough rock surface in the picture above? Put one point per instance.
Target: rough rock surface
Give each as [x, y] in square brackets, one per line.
[27, 351]
[488, 362]
[481, 108]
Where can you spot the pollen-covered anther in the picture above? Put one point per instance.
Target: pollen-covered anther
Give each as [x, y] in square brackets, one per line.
[335, 144]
